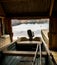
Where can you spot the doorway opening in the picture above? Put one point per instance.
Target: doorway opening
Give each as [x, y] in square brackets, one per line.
[20, 27]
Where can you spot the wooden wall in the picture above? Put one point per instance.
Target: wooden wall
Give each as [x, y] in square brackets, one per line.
[2, 14]
[0, 27]
[53, 34]
[1, 11]
[8, 28]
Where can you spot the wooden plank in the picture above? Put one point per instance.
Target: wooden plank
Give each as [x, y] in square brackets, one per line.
[23, 53]
[2, 47]
[40, 54]
[47, 50]
[19, 53]
[51, 7]
[46, 47]
[54, 53]
[29, 42]
[34, 59]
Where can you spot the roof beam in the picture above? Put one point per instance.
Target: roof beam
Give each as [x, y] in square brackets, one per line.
[2, 13]
[3, 8]
[51, 7]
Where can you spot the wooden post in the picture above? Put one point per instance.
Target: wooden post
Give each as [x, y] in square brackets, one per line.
[53, 34]
[8, 28]
[51, 7]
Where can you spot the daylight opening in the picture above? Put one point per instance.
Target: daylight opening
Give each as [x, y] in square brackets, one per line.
[20, 27]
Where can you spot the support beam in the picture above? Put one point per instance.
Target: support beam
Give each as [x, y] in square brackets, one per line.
[34, 59]
[2, 9]
[51, 7]
[2, 14]
[23, 53]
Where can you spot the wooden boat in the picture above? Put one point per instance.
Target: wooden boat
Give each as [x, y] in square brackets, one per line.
[28, 9]
[26, 53]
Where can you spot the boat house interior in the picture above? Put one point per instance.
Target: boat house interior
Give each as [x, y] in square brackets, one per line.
[22, 51]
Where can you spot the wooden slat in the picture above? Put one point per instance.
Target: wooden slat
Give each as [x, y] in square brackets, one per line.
[2, 47]
[40, 54]
[30, 42]
[46, 47]
[43, 53]
[19, 53]
[34, 59]
[23, 53]
[51, 7]
[47, 50]
[54, 53]
[44, 33]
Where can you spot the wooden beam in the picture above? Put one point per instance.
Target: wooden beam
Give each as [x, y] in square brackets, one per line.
[34, 59]
[2, 13]
[46, 47]
[23, 53]
[51, 7]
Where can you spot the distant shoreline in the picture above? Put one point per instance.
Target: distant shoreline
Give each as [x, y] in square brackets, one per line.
[15, 24]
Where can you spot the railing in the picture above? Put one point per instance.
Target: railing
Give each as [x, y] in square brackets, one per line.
[49, 55]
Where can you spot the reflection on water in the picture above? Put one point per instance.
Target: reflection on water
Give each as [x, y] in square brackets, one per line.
[21, 30]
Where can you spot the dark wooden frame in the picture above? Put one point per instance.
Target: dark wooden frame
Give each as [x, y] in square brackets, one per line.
[1, 28]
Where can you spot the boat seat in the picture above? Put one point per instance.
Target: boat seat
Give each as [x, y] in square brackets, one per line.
[23, 39]
[37, 39]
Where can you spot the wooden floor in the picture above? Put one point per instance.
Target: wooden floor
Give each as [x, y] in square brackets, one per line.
[54, 53]
[18, 60]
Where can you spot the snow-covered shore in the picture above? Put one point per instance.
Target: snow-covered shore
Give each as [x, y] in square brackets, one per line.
[21, 30]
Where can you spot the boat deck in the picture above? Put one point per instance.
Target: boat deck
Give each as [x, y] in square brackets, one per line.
[29, 53]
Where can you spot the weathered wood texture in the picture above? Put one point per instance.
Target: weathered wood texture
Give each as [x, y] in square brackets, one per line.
[1, 11]
[44, 33]
[0, 27]
[8, 28]
[54, 54]
[53, 34]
